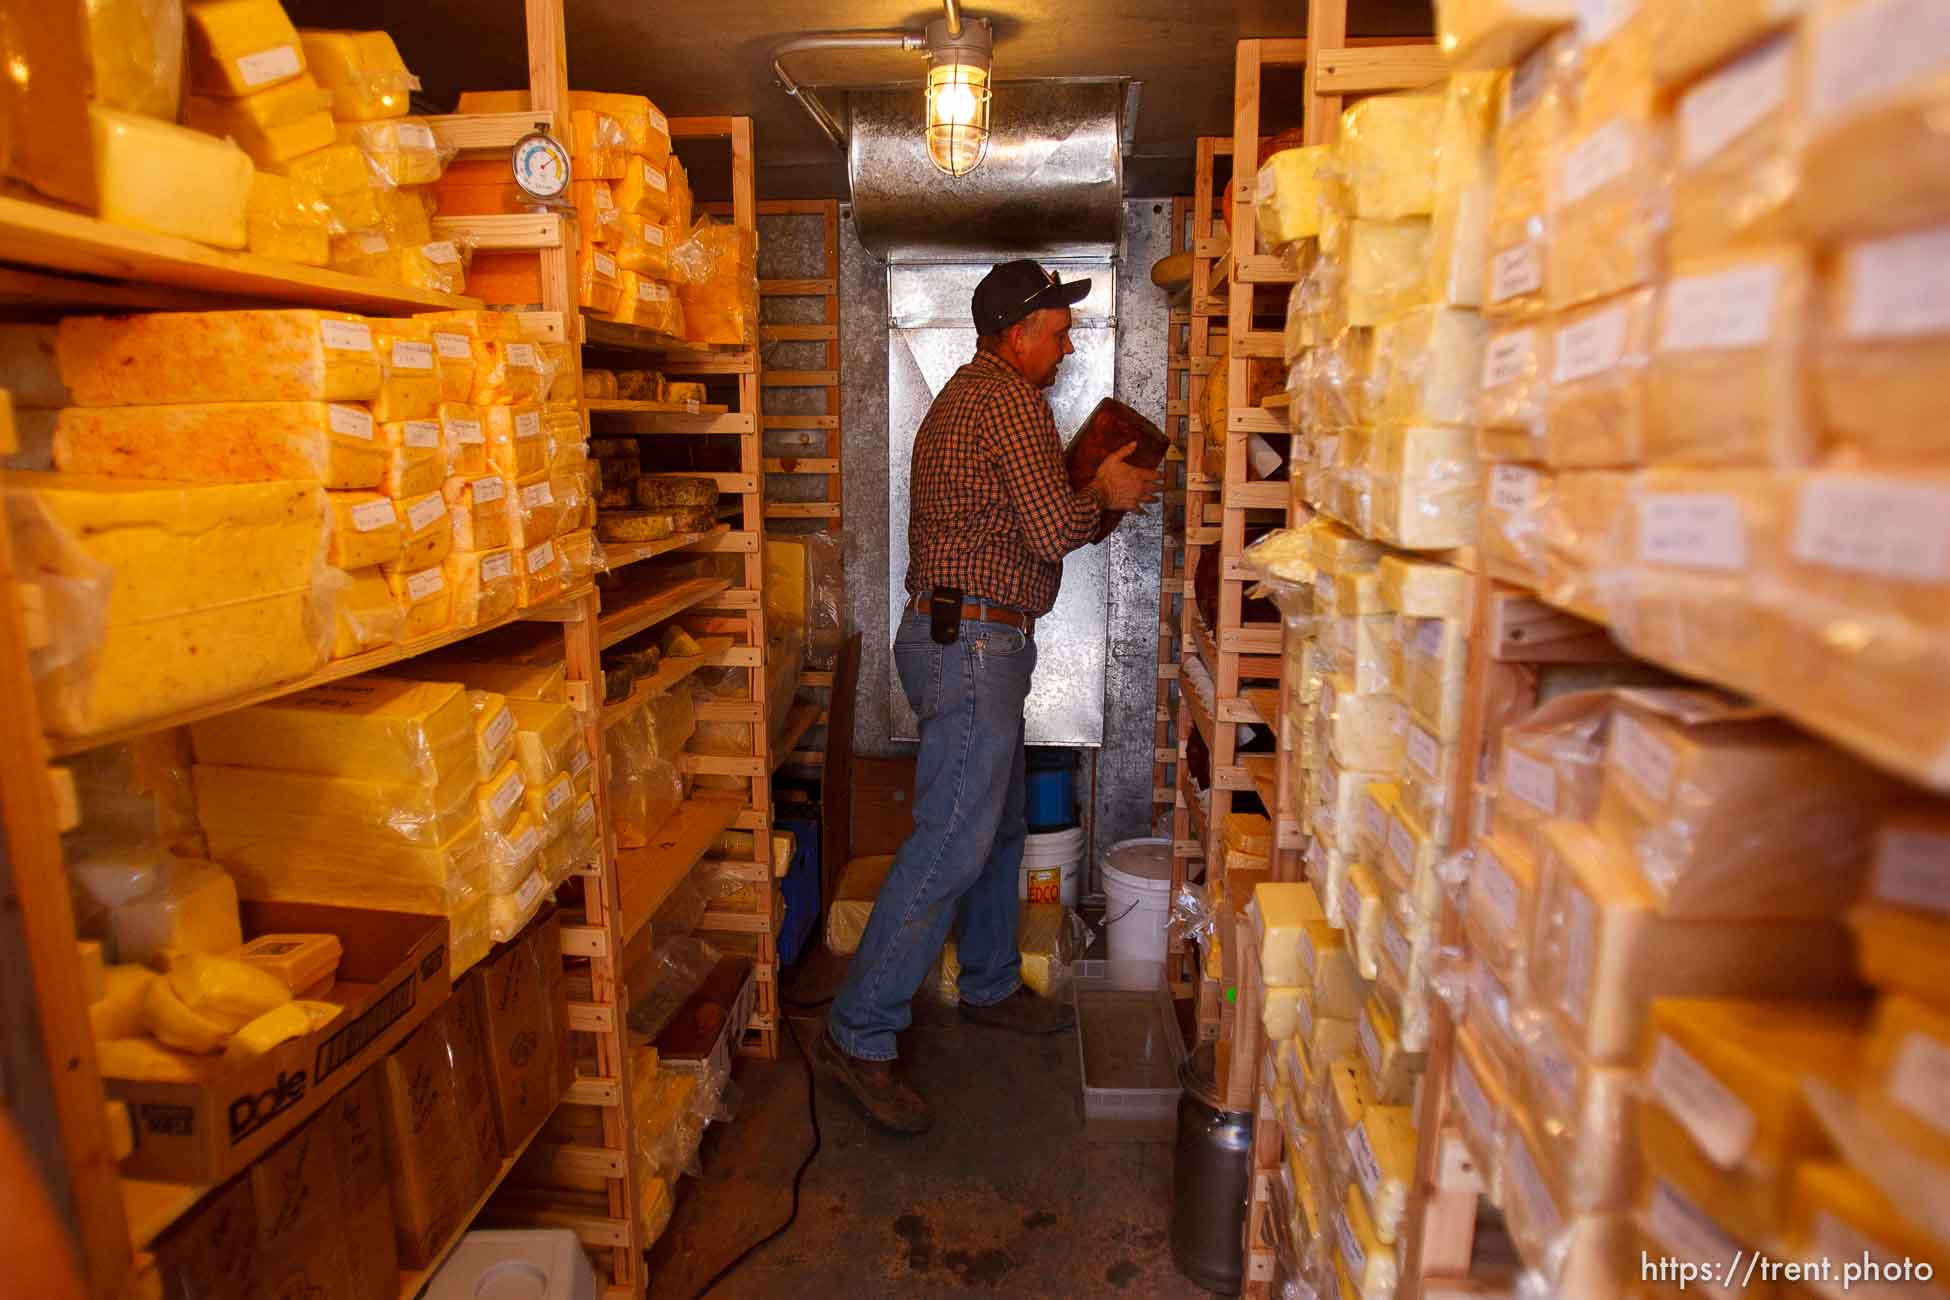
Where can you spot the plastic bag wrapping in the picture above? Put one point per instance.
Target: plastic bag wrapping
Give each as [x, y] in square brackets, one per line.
[1513, 392]
[1610, 206]
[1322, 291]
[599, 149]
[352, 810]
[1879, 1139]
[288, 219]
[1339, 399]
[1423, 486]
[512, 853]
[1434, 659]
[1875, 353]
[398, 151]
[658, 991]
[1536, 112]
[1426, 366]
[644, 790]
[1387, 155]
[1465, 177]
[1876, 139]
[1584, 1116]
[272, 864]
[363, 71]
[1551, 765]
[1190, 918]
[1387, 268]
[1287, 195]
[137, 50]
[1739, 138]
[1596, 407]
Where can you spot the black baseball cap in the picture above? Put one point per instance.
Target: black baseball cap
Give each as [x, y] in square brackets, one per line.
[1012, 290]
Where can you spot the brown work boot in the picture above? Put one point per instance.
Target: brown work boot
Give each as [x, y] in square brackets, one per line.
[1023, 1012]
[888, 1098]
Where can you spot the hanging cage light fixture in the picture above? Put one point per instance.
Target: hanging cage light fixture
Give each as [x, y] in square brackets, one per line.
[959, 63]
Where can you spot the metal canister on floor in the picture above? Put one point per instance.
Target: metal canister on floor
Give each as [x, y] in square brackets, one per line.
[1210, 1179]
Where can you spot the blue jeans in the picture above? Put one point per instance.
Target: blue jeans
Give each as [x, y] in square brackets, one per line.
[962, 865]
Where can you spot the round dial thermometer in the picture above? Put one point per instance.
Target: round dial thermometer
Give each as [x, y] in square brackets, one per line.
[541, 165]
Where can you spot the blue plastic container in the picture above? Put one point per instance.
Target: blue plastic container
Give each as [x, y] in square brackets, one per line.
[1052, 798]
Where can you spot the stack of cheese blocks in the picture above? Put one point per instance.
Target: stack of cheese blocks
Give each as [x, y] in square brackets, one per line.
[1715, 277]
[1656, 955]
[718, 270]
[632, 201]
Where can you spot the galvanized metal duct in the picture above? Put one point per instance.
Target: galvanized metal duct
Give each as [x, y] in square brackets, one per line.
[1052, 185]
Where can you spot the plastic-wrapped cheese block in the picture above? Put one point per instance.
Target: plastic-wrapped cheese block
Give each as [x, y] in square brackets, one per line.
[453, 356]
[249, 800]
[1497, 33]
[509, 913]
[240, 47]
[1287, 195]
[365, 530]
[1334, 805]
[552, 807]
[1584, 1119]
[464, 435]
[484, 586]
[532, 512]
[1837, 1213]
[1382, 1147]
[1479, 1103]
[1585, 1255]
[425, 597]
[1538, 102]
[165, 178]
[371, 727]
[1361, 903]
[513, 854]
[502, 797]
[1328, 962]
[1724, 385]
[1280, 912]
[230, 356]
[364, 614]
[1878, 86]
[1885, 332]
[416, 458]
[1465, 180]
[194, 911]
[409, 386]
[1370, 1265]
[1513, 393]
[1424, 485]
[644, 188]
[538, 573]
[399, 877]
[362, 70]
[1902, 1070]
[494, 729]
[1360, 727]
[516, 445]
[1387, 268]
[1434, 663]
[648, 304]
[1596, 401]
[581, 556]
[1738, 141]
[427, 532]
[1686, 41]
[1552, 766]
[1608, 216]
[227, 442]
[478, 510]
[288, 220]
[1602, 949]
[402, 151]
[266, 143]
[546, 736]
[1387, 155]
[506, 372]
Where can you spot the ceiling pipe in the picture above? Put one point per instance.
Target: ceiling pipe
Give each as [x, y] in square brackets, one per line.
[870, 40]
[953, 10]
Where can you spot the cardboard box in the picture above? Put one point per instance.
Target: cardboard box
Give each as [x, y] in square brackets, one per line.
[212, 1254]
[302, 1246]
[429, 1165]
[524, 1001]
[391, 977]
[352, 1126]
[462, 1020]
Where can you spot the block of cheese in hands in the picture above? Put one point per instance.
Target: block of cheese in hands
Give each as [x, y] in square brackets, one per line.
[169, 179]
[1732, 814]
[1737, 146]
[1387, 268]
[1878, 85]
[1497, 33]
[371, 727]
[1584, 1117]
[1602, 949]
[1595, 407]
[1884, 336]
[241, 47]
[1465, 186]
[1609, 203]
[290, 355]
[1387, 155]
[1288, 195]
[321, 808]
[226, 442]
[365, 530]
[1724, 385]
[1428, 362]
[364, 614]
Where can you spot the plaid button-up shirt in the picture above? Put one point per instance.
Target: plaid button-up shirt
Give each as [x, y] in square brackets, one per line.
[991, 510]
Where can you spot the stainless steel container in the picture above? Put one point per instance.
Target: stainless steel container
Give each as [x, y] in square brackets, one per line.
[1211, 1176]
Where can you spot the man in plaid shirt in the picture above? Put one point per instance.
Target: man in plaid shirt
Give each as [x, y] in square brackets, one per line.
[992, 517]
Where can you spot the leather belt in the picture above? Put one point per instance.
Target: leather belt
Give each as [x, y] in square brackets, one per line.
[981, 611]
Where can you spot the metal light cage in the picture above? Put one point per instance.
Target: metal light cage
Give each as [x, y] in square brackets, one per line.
[958, 95]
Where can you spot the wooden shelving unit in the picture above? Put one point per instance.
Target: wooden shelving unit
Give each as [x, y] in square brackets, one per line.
[1171, 562]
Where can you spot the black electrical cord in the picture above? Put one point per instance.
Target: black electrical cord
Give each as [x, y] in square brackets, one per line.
[812, 1114]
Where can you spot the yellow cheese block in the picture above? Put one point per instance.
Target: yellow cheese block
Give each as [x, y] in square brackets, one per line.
[1496, 33]
[1287, 195]
[1879, 344]
[533, 512]
[1610, 204]
[1387, 154]
[118, 1012]
[137, 53]
[1428, 362]
[517, 447]
[1553, 764]
[478, 509]
[168, 179]
[235, 356]
[409, 386]
[494, 729]
[1602, 948]
[1838, 1214]
[538, 573]
[501, 798]
[1583, 1117]
[461, 428]
[1501, 899]
[281, 105]
[240, 47]
[427, 532]
[416, 463]
[552, 807]
[453, 354]
[265, 142]
[401, 877]
[364, 614]
[335, 171]
[1737, 142]
[365, 530]
[1423, 588]
[279, 1025]
[362, 70]
[1328, 962]
[424, 596]
[1903, 1071]
[546, 737]
[245, 800]
[1511, 403]
[1595, 408]
[485, 590]
[303, 962]
[1465, 188]
[513, 854]
[1480, 1103]
[226, 442]
[1382, 1151]
[1434, 657]
[400, 151]
[1539, 100]
[194, 912]
[288, 220]
[1279, 913]
[1387, 268]
[371, 727]
[581, 556]
[1370, 1265]
[644, 188]
[1392, 1068]
[509, 912]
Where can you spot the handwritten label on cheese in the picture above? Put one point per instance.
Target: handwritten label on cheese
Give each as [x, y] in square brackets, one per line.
[463, 431]
[1352, 1255]
[654, 178]
[370, 516]
[1731, 102]
[526, 844]
[605, 265]
[585, 815]
[1592, 346]
[505, 796]
[658, 123]
[528, 424]
[1374, 819]
[1913, 870]
[1366, 1168]
[1684, 1228]
[1919, 1080]
[1371, 1045]
[454, 347]
[1396, 945]
[1513, 489]
[1898, 287]
[652, 291]
[1692, 530]
[540, 557]
[1516, 271]
[262, 67]
[425, 584]
[1865, 51]
[350, 421]
[1309, 958]
[530, 892]
[1555, 1073]
[1350, 907]
[415, 135]
[580, 763]
[537, 495]
[1539, 1206]
[1531, 780]
[420, 433]
[1579, 937]
[1303, 1016]
[1493, 891]
[1423, 752]
[371, 242]
[1487, 993]
[1469, 1096]
[1401, 845]
[653, 235]
[1597, 160]
[489, 489]
[1719, 1122]
[1510, 357]
[441, 252]
[499, 729]
[524, 355]
[497, 566]
[1880, 527]
[345, 335]
[557, 795]
[425, 512]
[1643, 758]
[1729, 309]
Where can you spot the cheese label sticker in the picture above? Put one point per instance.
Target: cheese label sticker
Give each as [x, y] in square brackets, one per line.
[1267, 184]
[653, 235]
[1544, 1215]
[1898, 287]
[1683, 1227]
[1366, 1168]
[540, 557]
[425, 512]
[1401, 845]
[1642, 757]
[1598, 159]
[1556, 1071]
[1510, 357]
[345, 335]
[1580, 954]
[370, 241]
[659, 123]
[1303, 1015]
[454, 347]
[1732, 102]
[1396, 943]
[536, 495]
[1516, 271]
[1469, 1092]
[1527, 84]
[1423, 751]
[1370, 1044]
[489, 489]
[441, 252]
[528, 424]
[523, 354]
[1728, 309]
[1590, 347]
[1492, 891]
[1428, 636]
[1865, 51]
[605, 265]
[1599, 19]
[505, 796]
[1350, 907]
[1309, 958]
[1913, 870]
[274, 64]
[1692, 530]
[497, 731]
[526, 844]
[580, 763]
[652, 291]
[1531, 780]
[558, 794]
[420, 433]
[655, 179]
[585, 815]
[1373, 819]
[411, 354]
[531, 890]
[463, 431]
[1487, 992]
[415, 135]
[1512, 489]
[1352, 1255]
[373, 515]
[1718, 1120]
[350, 421]
[1876, 526]
[1919, 1081]
[604, 203]
[425, 583]
[497, 566]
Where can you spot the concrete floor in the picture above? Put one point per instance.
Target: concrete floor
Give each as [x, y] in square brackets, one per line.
[1003, 1198]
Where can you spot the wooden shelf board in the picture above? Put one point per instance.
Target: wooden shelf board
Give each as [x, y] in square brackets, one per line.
[1264, 772]
[44, 237]
[1265, 701]
[617, 555]
[411, 1281]
[337, 670]
[802, 719]
[654, 408]
[646, 876]
[650, 608]
[600, 333]
[668, 674]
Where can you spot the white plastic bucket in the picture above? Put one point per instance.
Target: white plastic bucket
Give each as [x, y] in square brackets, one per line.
[1050, 866]
[1137, 899]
